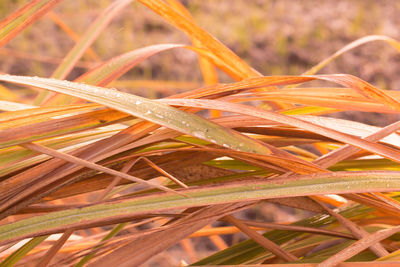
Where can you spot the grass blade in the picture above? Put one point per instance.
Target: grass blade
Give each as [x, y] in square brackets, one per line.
[335, 183]
[12, 25]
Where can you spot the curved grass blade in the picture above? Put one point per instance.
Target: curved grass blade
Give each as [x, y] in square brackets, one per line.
[149, 110]
[241, 69]
[336, 183]
[117, 66]
[350, 46]
[87, 39]
[364, 88]
[208, 70]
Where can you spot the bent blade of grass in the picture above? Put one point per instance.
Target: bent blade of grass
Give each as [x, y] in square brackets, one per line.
[117, 66]
[241, 69]
[149, 110]
[350, 46]
[12, 25]
[364, 88]
[335, 183]
[323, 104]
[87, 39]
[208, 70]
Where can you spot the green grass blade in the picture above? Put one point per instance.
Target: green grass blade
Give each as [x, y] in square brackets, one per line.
[21, 252]
[149, 110]
[337, 183]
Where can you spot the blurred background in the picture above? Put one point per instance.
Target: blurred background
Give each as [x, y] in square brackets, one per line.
[274, 37]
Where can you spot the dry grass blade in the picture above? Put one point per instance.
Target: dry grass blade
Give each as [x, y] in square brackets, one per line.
[359, 246]
[237, 67]
[12, 25]
[356, 230]
[87, 39]
[352, 45]
[46, 259]
[33, 131]
[288, 120]
[387, 200]
[101, 169]
[114, 68]
[297, 228]
[71, 33]
[94, 166]
[140, 250]
[264, 242]
[119, 210]
[346, 151]
[364, 88]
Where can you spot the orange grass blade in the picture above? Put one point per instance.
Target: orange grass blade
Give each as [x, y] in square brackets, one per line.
[241, 69]
[288, 120]
[12, 25]
[359, 246]
[350, 46]
[87, 39]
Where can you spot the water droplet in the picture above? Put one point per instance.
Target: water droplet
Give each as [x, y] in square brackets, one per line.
[138, 102]
[199, 134]
[148, 112]
[226, 145]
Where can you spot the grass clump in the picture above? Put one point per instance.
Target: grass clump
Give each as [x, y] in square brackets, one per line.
[95, 175]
